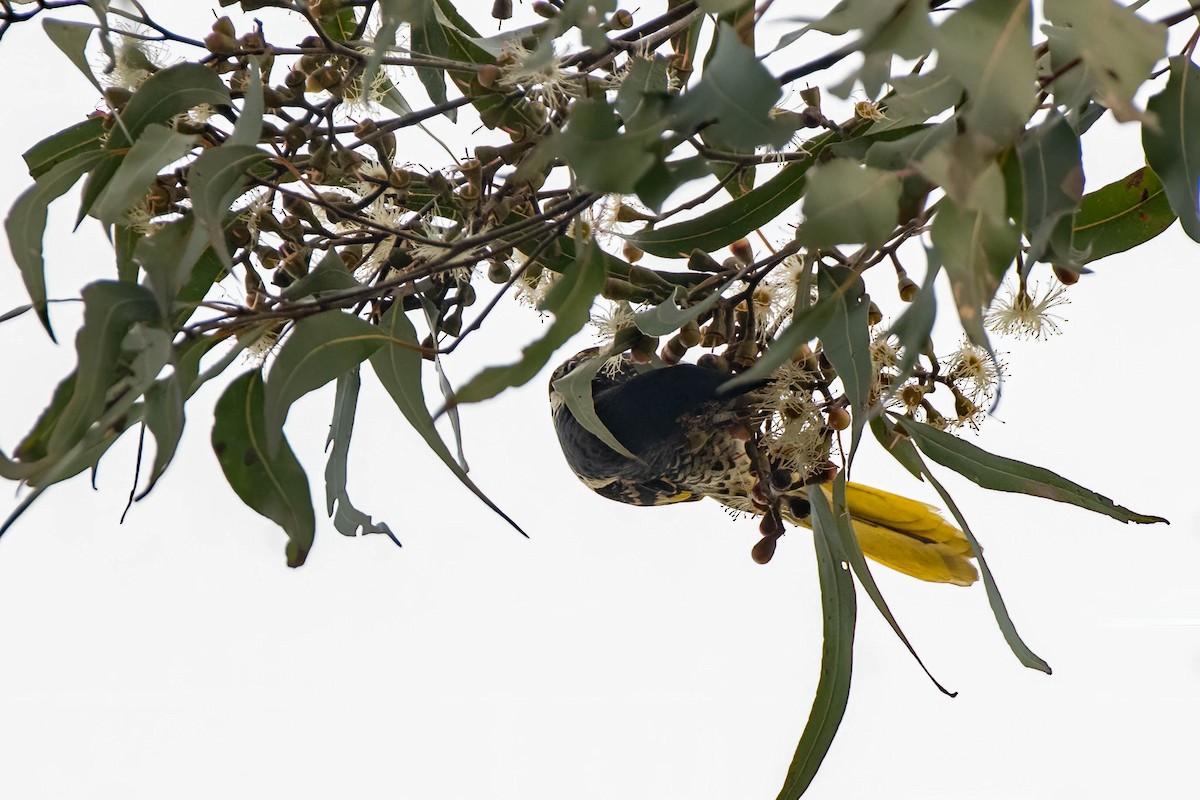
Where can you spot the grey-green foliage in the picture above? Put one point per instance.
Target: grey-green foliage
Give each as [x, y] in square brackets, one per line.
[245, 212]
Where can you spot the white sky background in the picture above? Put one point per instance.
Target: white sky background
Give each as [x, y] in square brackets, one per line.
[621, 651]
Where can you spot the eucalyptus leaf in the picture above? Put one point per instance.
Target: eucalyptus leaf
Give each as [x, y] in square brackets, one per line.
[838, 613]
[1052, 179]
[1122, 215]
[977, 243]
[79, 138]
[273, 484]
[215, 180]
[1116, 50]
[835, 517]
[1173, 145]
[848, 203]
[576, 390]
[603, 159]
[72, 38]
[735, 98]
[347, 519]
[319, 349]
[903, 450]
[1008, 475]
[168, 92]
[111, 309]
[157, 147]
[26, 223]
[1000, 87]
[398, 366]
[669, 315]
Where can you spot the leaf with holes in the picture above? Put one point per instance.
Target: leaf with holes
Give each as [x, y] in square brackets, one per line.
[1122, 215]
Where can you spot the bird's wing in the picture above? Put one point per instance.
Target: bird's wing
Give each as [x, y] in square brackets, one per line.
[907, 536]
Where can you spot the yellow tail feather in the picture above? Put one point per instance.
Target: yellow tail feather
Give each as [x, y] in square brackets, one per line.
[908, 536]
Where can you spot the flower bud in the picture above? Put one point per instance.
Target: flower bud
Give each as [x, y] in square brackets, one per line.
[764, 549]
[742, 251]
[621, 20]
[769, 526]
[499, 272]
[1065, 276]
[838, 418]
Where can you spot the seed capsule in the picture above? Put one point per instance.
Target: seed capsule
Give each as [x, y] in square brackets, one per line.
[1065, 276]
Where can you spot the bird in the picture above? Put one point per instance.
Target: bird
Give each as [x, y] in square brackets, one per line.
[685, 437]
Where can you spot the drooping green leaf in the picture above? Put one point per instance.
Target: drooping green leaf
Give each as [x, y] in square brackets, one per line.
[847, 203]
[1008, 475]
[987, 46]
[571, 302]
[736, 94]
[664, 177]
[72, 38]
[429, 37]
[603, 158]
[319, 349]
[100, 9]
[1052, 180]
[125, 241]
[1173, 145]
[838, 612]
[1122, 215]
[977, 243]
[82, 137]
[347, 519]
[720, 6]
[157, 147]
[999, 610]
[164, 416]
[111, 309]
[215, 180]
[274, 485]
[248, 128]
[418, 13]
[36, 444]
[1116, 51]
[835, 517]
[26, 223]
[845, 340]
[904, 452]
[398, 366]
